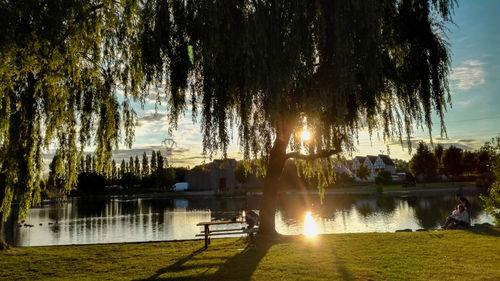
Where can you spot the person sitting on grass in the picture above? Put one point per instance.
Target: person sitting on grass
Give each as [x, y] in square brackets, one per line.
[251, 218]
[458, 218]
[462, 200]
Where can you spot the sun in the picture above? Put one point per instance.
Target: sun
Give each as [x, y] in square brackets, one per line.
[305, 135]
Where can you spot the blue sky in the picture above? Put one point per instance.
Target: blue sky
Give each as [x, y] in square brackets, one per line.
[473, 119]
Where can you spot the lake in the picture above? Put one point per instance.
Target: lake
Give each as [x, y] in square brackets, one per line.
[124, 219]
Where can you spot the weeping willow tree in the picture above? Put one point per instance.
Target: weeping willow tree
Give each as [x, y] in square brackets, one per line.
[268, 68]
[61, 64]
[272, 68]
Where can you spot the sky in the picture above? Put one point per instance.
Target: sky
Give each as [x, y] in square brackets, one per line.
[473, 119]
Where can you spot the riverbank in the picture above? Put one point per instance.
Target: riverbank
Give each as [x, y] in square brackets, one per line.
[433, 255]
[444, 187]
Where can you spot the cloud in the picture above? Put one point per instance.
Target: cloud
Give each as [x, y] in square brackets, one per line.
[156, 95]
[153, 117]
[469, 75]
[464, 103]
[465, 144]
[468, 141]
[394, 148]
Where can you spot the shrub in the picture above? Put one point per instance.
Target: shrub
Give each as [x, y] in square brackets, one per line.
[363, 172]
[492, 200]
[383, 178]
[91, 182]
[344, 179]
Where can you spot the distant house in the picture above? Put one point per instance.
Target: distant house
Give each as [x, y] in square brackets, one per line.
[384, 162]
[217, 176]
[358, 160]
[370, 162]
[342, 168]
[374, 163]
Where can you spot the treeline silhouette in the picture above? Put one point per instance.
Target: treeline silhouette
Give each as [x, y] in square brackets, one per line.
[152, 172]
[452, 163]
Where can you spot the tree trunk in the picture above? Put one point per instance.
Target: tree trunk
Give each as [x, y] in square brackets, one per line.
[277, 158]
[3, 245]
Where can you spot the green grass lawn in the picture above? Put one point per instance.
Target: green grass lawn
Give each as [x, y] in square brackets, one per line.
[434, 255]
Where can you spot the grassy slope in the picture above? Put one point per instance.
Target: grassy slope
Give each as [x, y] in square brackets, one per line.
[438, 255]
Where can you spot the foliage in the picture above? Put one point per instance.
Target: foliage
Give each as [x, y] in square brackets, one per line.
[91, 183]
[492, 200]
[383, 178]
[132, 174]
[452, 161]
[55, 180]
[60, 68]
[114, 172]
[129, 180]
[344, 179]
[438, 155]
[270, 68]
[137, 167]
[276, 72]
[486, 153]
[163, 178]
[241, 172]
[401, 166]
[145, 165]
[123, 168]
[160, 161]
[470, 161]
[154, 163]
[423, 163]
[363, 172]
[410, 180]
[180, 174]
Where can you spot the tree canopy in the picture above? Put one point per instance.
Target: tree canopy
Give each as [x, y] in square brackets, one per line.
[363, 172]
[61, 63]
[423, 164]
[492, 198]
[270, 68]
[453, 164]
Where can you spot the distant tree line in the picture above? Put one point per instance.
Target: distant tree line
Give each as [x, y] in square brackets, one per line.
[151, 172]
[430, 164]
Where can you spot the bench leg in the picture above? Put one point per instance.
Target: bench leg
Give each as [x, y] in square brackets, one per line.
[207, 240]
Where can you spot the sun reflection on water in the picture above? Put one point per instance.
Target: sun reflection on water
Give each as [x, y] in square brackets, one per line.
[310, 226]
[305, 135]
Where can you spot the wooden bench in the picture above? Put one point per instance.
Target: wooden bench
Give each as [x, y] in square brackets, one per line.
[207, 232]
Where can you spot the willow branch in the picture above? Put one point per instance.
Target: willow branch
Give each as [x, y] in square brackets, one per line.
[321, 154]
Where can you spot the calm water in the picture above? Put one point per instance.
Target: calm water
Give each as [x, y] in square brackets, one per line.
[120, 219]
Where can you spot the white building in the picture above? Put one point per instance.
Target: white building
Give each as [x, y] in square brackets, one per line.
[374, 164]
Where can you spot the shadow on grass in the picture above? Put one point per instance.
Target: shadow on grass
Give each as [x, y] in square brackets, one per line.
[238, 267]
[176, 266]
[343, 271]
[243, 265]
[489, 231]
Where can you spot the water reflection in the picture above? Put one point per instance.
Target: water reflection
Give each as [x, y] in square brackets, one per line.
[123, 219]
[363, 213]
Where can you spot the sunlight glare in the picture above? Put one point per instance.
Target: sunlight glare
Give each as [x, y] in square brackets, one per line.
[305, 135]
[310, 226]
